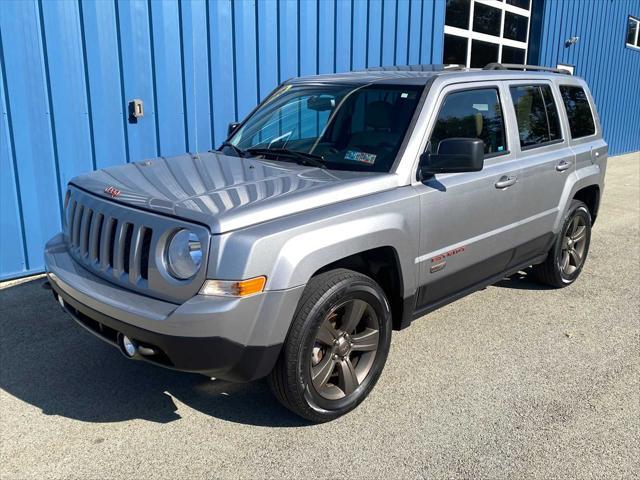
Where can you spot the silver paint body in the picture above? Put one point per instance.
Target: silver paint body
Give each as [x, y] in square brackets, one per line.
[286, 221]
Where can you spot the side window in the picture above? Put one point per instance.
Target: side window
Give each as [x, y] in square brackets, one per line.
[578, 111]
[471, 114]
[537, 115]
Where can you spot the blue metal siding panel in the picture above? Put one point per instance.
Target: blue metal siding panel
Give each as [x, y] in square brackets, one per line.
[359, 39]
[103, 76]
[33, 141]
[68, 90]
[343, 37]
[601, 58]
[167, 70]
[138, 75]
[222, 68]
[12, 247]
[196, 73]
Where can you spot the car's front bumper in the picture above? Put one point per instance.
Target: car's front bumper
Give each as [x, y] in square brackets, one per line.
[229, 338]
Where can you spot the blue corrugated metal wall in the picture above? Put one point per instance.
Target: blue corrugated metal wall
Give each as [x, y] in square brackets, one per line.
[68, 69]
[600, 56]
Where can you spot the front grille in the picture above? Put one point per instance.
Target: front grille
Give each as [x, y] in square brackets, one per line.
[122, 244]
[107, 242]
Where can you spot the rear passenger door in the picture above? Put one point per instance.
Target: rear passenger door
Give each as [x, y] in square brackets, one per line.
[467, 218]
[545, 161]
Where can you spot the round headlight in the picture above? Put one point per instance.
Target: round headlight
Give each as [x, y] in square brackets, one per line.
[184, 254]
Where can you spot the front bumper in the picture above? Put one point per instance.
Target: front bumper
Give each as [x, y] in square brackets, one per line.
[228, 338]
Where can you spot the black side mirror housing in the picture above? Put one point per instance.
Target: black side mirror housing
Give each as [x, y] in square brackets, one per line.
[232, 128]
[455, 155]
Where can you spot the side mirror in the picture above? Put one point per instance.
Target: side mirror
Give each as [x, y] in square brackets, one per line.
[454, 155]
[232, 128]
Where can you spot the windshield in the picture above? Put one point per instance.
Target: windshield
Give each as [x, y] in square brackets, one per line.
[346, 127]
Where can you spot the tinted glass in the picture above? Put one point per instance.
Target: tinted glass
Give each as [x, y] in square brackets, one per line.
[632, 26]
[457, 13]
[552, 113]
[578, 111]
[513, 55]
[471, 114]
[483, 53]
[515, 27]
[486, 19]
[520, 3]
[455, 50]
[351, 127]
[536, 114]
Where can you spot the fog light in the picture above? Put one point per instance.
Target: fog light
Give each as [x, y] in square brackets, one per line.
[129, 347]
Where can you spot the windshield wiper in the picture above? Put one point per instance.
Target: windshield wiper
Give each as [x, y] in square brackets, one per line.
[300, 157]
[238, 151]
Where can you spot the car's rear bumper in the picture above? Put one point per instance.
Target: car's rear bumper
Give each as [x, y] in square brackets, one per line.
[228, 338]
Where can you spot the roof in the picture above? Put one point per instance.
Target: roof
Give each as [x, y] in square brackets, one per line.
[422, 74]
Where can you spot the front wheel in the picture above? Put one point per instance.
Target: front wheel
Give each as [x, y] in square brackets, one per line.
[336, 348]
[569, 252]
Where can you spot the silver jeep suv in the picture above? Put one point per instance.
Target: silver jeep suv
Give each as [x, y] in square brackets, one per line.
[343, 207]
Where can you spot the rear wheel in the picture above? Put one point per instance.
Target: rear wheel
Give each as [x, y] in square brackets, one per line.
[569, 252]
[336, 348]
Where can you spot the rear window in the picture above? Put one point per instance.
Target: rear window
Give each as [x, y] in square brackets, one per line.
[578, 111]
[537, 115]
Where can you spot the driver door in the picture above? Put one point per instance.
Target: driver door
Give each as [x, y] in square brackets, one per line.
[468, 219]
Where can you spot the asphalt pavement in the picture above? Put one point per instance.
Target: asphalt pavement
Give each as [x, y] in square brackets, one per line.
[513, 381]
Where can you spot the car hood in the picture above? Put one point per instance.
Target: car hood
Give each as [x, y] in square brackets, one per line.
[227, 193]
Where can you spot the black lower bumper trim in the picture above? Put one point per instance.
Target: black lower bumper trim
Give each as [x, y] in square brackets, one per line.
[212, 356]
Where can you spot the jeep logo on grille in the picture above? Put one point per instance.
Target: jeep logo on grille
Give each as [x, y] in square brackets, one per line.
[113, 191]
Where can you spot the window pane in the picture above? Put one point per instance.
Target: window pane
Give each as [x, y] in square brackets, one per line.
[483, 53]
[455, 50]
[519, 3]
[513, 55]
[471, 114]
[457, 13]
[578, 111]
[552, 113]
[515, 27]
[632, 26]
[532, 113]
[486, 19]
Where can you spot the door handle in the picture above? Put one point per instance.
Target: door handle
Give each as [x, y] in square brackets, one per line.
[563, 165]
[506, 181]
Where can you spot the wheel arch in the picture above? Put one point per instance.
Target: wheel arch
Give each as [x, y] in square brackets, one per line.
[382, 264]
[590, 195]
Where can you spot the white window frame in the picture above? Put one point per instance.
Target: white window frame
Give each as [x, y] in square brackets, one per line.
[469, 34]
[635, 45]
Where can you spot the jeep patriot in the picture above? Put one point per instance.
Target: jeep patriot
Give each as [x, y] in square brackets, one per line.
[342, 208]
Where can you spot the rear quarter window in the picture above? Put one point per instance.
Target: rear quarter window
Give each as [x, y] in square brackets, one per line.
[579, 113]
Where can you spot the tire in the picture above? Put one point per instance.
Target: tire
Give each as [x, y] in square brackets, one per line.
[569, 252]
[326, 369]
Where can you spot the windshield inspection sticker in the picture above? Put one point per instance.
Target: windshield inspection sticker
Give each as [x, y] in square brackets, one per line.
[362, 157]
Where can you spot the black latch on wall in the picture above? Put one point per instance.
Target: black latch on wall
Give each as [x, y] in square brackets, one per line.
[136, 110]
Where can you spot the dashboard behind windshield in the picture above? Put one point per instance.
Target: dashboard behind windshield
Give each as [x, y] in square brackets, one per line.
[349, 127]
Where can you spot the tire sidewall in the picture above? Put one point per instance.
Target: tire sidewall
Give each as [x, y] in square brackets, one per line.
[359, 288]
[577, 208]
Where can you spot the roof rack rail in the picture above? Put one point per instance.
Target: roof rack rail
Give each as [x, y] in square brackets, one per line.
[427, 67]
[517, 66]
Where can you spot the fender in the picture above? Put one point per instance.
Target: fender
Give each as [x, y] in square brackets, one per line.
[291, 249]
[579, 179]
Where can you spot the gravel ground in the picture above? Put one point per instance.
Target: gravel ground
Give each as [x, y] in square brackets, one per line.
[513, 381]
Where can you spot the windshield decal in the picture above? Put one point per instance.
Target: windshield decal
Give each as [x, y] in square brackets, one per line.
[363, 157]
